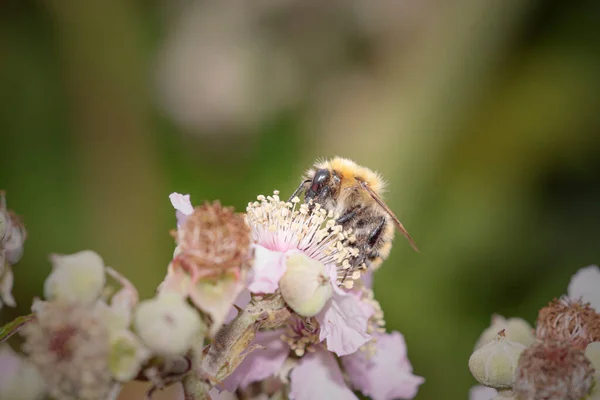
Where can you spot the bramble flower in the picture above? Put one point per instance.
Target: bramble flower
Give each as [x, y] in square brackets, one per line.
[385, 374]
[212, 257]
[553, 371]
[284, 229]
[81, 345]
[69, 344]
[19, 379]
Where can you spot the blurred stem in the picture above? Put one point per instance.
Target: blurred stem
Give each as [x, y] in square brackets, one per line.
[101, 48]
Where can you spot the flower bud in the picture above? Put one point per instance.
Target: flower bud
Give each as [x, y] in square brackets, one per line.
[167, 324]
[516, 330]
[553, 370]
[76, 277]
[305, 286]
[494, 364]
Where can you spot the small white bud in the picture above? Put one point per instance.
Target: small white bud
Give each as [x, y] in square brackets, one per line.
[305, 286]
[167, 324]
[76, 277]
[494, 364]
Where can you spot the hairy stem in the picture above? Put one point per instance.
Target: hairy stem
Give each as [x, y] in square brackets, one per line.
[232, 344]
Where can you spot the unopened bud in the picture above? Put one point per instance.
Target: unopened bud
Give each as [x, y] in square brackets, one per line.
[76, 277]
[167, 324]
[305, 286]
[516, 330]
[592, 352]
[495, 363]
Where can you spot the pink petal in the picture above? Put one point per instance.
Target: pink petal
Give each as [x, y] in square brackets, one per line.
[482, 393]
[343, 322]
[261, 363]
[387, 374]
[585, 284]
[182, 204]
[368, 278]
[268, 268]
[318, 376]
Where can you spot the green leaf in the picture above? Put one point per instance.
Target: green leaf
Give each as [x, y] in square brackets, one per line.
[13, 327]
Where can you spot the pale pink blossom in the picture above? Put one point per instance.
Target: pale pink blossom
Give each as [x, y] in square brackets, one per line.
[585, 285]
[318, 376]
[278, 227]
[269, 267]
[263, 362]
[386, 374]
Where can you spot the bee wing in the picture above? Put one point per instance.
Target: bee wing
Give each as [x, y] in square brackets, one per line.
[381, 203]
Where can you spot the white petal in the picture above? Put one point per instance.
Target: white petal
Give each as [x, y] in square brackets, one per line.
[585, 284]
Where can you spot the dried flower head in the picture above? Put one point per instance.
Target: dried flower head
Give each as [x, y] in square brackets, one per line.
[569, 320]
[212, 241]
[553, 370]
[69, 344]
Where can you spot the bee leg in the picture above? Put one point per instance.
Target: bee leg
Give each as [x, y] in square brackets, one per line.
[347, 216]
[299, 189]
[375, 234]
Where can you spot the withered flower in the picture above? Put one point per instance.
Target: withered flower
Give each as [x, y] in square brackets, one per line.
[553, 370]
[213, 240]
[69, 344]
[212, 257]
[569, 320]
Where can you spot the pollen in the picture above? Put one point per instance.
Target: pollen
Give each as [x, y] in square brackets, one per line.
[214, 240]
[302, 335]
[281, 226]
[569, 320]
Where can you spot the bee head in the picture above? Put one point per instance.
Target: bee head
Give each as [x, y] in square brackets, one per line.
[319, 185]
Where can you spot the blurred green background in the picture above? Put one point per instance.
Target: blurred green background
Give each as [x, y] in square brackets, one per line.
[482, 115]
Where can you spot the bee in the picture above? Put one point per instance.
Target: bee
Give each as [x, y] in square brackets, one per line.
[353, 193]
